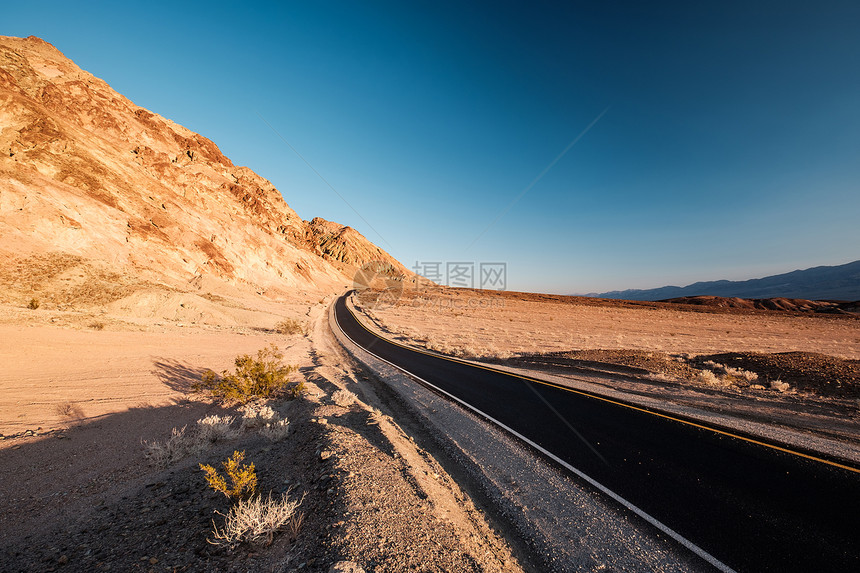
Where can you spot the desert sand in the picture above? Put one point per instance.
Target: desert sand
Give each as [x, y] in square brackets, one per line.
[499, 324]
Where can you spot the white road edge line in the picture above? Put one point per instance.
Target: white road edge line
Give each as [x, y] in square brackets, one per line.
[603, 489]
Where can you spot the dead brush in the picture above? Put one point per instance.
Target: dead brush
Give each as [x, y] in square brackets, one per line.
[290, 326]
[731, 374]
[257, 519]
[275, 431]
[179, 445]
[343, 398]
[214, 428]
[267, 421]
[69, 410]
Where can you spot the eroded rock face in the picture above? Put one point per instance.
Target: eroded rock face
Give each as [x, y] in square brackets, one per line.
[86, 172]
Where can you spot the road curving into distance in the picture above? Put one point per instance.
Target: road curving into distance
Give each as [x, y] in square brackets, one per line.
[738, 502]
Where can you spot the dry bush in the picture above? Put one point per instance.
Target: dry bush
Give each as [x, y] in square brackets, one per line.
[256, 520]
[275, 431]
[343, 398]
[257, 415]
[69, 410]
[33, 304]
[295, 390]
[376, 416]
[707, 377]
[290, 326]
[214, 428]
[779, 385]
[732, 374]
[242, 478]
[184, 442]
[179, 445]
[268, 421]
[260, 377]
[96, 325]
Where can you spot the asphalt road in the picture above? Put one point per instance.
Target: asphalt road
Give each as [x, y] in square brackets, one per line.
[751, 506]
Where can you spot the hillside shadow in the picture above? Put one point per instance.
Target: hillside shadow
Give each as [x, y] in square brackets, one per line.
[176, 375]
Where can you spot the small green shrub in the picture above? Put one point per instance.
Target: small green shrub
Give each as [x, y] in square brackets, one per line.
[33, 304]
[290, 326]
[261, 377]
[243, 478]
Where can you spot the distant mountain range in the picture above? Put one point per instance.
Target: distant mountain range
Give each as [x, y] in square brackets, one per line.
[841, 282]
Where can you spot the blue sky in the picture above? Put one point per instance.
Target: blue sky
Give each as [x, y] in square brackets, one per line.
[729, 145]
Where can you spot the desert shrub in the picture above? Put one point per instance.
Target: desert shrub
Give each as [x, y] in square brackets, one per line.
[69, 410]
[265, 419]
[275, 431]
[290, 326]
[740, 373]
[96, 325]
[213, 428]
[730, 373]
[707, 377]
[242, 478]
[343, 398]
[177, 446]
[260, 377]
[257, 415]
[779, 385]
[256, 520]
[33, 304]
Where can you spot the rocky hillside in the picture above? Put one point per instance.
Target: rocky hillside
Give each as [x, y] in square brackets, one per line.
[90, 181]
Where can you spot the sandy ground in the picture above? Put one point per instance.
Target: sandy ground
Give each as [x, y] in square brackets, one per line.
[78, 494]
[660, 353]
[503, 324]
[83, 386]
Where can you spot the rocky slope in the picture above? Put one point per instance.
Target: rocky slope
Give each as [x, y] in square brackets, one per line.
[99, 195]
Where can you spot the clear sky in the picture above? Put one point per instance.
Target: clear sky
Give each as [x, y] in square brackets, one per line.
[728, 145]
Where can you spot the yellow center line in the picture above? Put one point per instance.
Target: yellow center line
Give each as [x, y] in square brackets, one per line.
[609, 400]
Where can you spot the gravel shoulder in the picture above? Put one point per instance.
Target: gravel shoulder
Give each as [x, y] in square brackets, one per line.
[553, 521]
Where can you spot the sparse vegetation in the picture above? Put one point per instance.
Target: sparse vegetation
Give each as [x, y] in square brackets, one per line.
[214, 428]
[242, 477]
[265, 419]
[261, 377]
[33, 304]
[779, 385]
[275, 431]
[179, 445]
[256, 520]
[290, 326]
[731, 374]
[343, 398]
[96, 325]
[257, 416]
[69, 410]
[707, 377]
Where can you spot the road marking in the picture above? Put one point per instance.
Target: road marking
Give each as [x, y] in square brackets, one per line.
[609, 400]
[591, 481]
